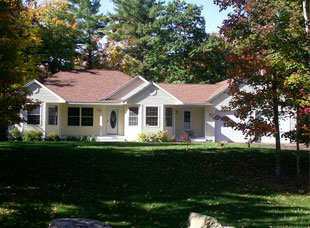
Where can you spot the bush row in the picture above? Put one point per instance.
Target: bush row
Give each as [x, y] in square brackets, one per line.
[160, 136]
[36, 135]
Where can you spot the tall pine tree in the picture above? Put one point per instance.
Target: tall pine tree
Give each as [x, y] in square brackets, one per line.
[90, 26]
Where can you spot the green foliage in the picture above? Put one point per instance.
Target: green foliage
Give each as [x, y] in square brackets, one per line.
[90, 138]
[166, 42]
[52, 137]
[90, 26]
[72, 138]
[160, 136]
[58, 29]
[32, 135]
[82, 138]
[18, 58]
[15, 134]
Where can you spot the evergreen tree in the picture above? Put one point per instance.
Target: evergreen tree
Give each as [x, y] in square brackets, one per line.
[90, 25]
[165, 42]
[128, 25]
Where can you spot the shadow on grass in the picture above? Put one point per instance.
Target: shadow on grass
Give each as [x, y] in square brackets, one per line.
[144, 185]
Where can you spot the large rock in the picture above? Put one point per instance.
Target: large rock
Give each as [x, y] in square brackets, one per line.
[77, 223]
[196, 220]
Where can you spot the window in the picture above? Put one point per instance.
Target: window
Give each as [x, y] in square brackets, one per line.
[169, 117]
[151, 118]
[73, 116]
[33, 117]
[187, 120]
[133, 116]
[52, 115]
[87, 116]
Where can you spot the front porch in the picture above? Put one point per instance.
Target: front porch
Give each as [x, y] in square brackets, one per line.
[124, 122]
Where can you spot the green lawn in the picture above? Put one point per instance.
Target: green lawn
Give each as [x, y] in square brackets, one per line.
[148, 185]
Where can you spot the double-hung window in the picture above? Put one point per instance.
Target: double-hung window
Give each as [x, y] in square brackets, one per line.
[52, 115]
[80, 116]
[168, 117]
[87, 117]
[151, 118]
[133, 116]
[33, 117]
[73, 116]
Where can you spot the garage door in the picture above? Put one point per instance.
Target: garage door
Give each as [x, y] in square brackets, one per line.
[226, 133]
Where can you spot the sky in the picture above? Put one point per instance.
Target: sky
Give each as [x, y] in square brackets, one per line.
[210, 12]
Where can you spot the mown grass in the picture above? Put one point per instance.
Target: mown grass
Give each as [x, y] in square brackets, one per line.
[148, 185]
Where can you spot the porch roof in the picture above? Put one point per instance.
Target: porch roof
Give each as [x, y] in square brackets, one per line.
[195, 93]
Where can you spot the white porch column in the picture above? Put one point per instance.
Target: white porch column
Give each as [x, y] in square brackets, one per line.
[209, 124]
[100, 121]
[140, 117]
[22, 124]
[205, 122]
[173, 121]
[162, 117]
[59, 120]
[43, 118]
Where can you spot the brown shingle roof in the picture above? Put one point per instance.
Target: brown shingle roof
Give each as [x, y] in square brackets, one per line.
[195, 93]
[86, 85]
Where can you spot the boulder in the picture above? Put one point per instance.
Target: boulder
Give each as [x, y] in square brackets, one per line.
[196, 220]
[77, 223]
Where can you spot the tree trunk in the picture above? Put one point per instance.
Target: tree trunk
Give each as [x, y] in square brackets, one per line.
[277, 131]
[297, 149]
[278, 146]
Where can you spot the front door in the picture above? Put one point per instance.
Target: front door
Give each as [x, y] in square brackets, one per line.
[112, 121]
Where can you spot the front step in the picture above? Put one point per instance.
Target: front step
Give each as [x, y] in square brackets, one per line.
[110, 138]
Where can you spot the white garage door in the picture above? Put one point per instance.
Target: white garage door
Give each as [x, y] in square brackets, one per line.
[226, 133]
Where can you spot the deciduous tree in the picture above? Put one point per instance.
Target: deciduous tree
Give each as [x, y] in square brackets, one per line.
[59, 35]
[266, 35]
[18, 58]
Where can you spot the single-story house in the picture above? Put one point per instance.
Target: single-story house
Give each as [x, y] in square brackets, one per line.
[113, 106]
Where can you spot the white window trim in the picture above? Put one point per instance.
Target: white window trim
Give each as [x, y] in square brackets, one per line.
[191, 120]
[158, 117]
[138, 116]
[40, 119]
[48, 106]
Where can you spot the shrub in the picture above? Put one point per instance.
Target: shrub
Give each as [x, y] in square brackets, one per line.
[82, 138]
[90, 138]
[161, 136]
[15, 134]
[142, 137]
[32, 135]
[72, 138]
[52, 137]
